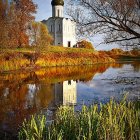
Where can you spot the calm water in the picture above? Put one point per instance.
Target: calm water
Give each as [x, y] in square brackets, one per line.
[25, 93]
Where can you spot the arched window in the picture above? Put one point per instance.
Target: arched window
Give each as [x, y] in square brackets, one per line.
[59, 27]
[58, 13]
[51, 28]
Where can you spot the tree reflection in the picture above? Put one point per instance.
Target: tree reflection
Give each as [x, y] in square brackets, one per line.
[136, 66]
[25, 93]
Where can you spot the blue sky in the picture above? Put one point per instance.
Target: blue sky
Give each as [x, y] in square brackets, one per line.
[44, 11]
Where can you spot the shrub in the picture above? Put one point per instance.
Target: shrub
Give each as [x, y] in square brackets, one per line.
[85, 44]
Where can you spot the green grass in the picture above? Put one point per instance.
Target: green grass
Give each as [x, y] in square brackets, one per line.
[111, 121]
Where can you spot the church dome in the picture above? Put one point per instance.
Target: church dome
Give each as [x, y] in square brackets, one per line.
[57, 2]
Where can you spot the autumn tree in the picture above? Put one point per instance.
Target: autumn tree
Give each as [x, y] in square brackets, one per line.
[4, 11]
[40, 35]
[40, 40]
[85, 44]
[116, 51]
[14, 20]
[23, 16]
[119, 20]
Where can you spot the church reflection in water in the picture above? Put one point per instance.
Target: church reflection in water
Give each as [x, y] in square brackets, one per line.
[62, 93]
[27, 93]
[65, 93]
[29, 99]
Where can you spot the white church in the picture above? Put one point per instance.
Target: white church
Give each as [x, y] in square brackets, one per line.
[62, 29]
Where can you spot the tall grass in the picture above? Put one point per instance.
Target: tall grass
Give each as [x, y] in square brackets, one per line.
[35, 129]
[111, 121]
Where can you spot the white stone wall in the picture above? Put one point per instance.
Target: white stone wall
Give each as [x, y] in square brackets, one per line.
[55, 29]
[69, 32]
[63, 31]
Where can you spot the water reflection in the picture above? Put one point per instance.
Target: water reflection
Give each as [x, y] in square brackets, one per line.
[136, 66]
[65, 93]
[25, 93]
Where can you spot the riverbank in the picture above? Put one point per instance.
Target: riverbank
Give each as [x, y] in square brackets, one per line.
[121, 55]
[35, 58]
[109, 121]
[127, 58]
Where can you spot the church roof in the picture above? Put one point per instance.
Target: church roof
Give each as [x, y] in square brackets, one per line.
[57, 2]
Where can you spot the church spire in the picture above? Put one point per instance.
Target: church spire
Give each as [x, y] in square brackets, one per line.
[57, 8]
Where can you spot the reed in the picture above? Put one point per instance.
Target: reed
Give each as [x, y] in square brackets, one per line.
[111, 121]
[34, 129]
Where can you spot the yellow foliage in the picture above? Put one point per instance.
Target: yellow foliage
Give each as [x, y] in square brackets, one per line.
[40, 34]
[85, 44]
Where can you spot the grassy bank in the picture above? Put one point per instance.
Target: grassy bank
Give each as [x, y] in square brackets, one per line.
[27, 58]
[127, 58]
[121, 55]
[112, 121]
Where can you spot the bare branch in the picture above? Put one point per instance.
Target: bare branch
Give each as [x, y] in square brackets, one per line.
[119, 19]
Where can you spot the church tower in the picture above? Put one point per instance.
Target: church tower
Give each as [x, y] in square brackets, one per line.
[57, 8]
[62, 29]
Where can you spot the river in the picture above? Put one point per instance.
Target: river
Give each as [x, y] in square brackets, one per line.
[24, 93]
